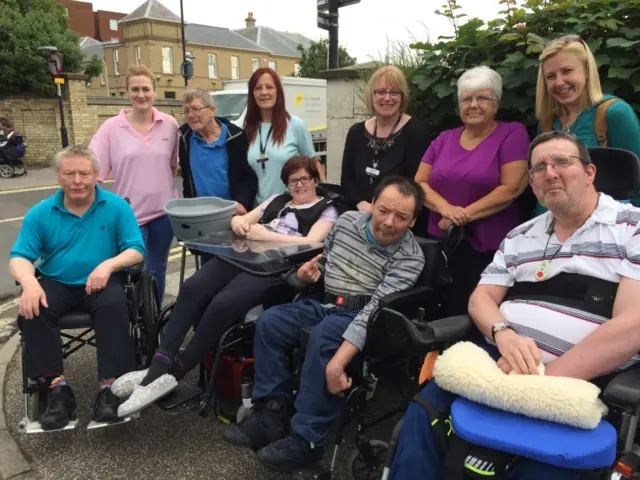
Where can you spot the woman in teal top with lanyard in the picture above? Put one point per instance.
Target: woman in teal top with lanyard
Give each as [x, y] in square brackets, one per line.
[569, 96]
[274, 136]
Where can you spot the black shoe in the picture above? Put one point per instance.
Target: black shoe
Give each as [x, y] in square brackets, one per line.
[60, 408]
[105, 406]
[267, 423]
[289, 454]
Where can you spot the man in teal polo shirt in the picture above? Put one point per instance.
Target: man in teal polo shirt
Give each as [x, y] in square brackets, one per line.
[83, 236]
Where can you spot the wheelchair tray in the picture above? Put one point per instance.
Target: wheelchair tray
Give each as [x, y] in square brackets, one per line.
[262, 259]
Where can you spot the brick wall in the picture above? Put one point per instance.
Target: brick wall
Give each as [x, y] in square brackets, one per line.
[80, 15]
[39, 118]
[103, 25]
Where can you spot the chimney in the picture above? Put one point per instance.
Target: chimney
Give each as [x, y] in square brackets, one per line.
[250, 21]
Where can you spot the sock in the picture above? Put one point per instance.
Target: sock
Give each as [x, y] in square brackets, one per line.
[160, 365]
[59, 381]
[177, 369]
[105, 384]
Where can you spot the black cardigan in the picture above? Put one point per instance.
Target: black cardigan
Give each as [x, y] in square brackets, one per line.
[243, 183]
[401, 158]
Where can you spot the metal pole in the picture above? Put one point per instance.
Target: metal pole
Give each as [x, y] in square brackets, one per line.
[184, 45]
[333, 35]
[63, 127]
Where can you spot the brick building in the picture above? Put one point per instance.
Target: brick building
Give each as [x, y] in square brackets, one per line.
[101, 25]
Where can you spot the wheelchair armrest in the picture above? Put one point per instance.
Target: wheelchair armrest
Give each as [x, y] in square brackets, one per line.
[291, 277]
[624, 390]
[407, 298]
[134, 269]
[450, 329]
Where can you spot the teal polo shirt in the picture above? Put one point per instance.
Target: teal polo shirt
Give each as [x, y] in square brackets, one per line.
[71, 247]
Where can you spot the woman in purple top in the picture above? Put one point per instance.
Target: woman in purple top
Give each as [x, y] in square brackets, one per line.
[471, 176]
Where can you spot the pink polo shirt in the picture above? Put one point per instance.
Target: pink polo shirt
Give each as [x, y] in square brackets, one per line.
[140, 165]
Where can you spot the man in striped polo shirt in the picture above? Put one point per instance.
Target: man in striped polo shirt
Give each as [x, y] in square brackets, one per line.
[563, 289]
[366, 257]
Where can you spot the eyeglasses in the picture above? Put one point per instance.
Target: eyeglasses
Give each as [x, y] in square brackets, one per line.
[565, 40]
[468, 100]
[72, 175]
[187, 111]
[383, 93]
[562, 162]
[303, 181]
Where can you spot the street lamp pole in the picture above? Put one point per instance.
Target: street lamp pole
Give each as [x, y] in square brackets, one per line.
[184, 45]
[54, 61]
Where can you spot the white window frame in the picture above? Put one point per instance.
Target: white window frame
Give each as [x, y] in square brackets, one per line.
[112, 22]
[255, 64]
[137, 55]
[167, 63]
[212, 62]
[273, 66]
[235, 69]
[296, 69]
[116, 70]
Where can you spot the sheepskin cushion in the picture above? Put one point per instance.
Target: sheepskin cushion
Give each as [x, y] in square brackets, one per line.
[552, 443]
[467, 370]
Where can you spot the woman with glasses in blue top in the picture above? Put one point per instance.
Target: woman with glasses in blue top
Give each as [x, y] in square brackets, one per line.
[569, 96]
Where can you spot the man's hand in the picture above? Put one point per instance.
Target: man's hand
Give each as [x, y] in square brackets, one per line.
[259, 232]
[521, 353]
[455, 214]
[240, 210]
[32, 297]
[364, 206]
[240, 226]
[337, 380]
[98, 279]
[504, 365]
[309, 272]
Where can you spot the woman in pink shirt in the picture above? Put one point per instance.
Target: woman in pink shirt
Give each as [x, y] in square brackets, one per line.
[139, 147]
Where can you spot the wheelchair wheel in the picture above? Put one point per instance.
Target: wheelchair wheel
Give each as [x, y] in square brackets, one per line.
[361, 468]
[149, 309]
[6, 171]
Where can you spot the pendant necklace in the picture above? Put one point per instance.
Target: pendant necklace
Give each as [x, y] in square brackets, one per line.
[542, 273]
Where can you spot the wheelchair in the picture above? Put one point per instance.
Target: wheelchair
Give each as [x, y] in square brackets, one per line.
[485, 442]
[76, 331]
[11, 157]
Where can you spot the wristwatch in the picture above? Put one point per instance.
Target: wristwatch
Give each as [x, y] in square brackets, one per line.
[497, 327]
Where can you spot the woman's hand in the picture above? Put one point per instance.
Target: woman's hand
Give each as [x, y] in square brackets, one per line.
[240, 226]
[455, 214]
[259, 232]
[445, 224]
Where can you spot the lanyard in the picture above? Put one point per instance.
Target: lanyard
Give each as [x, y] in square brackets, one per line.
[376, 149]
[263, 148]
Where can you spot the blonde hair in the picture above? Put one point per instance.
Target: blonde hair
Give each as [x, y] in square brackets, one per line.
[395, 78]
[546, 106]
[139, 71]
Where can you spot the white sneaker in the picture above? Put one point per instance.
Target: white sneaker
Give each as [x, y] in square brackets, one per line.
[124, 385]
[142, 397]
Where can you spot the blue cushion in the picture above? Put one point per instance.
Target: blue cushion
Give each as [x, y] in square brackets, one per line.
[559, 445]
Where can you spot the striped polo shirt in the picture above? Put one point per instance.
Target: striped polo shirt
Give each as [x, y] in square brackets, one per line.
[606, 247]
[354, 266]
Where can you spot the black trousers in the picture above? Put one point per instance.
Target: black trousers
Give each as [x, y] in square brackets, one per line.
[465, 266]
[111, 324]
[212, 300]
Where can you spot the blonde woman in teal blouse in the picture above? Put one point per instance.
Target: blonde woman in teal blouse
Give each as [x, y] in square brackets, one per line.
[569, 93]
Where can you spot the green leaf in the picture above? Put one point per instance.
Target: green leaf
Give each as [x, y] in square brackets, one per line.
[618, 72]
[609, 24]
[532, 38]
[621, 42]
[510, 36]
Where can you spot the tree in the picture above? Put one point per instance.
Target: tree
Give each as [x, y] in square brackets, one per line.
[511, 46]
[315, 59]
[26, 25]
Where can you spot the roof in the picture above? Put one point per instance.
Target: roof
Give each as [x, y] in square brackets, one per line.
[90, 47]
[152, 10]
[219, 37]
[279, 43]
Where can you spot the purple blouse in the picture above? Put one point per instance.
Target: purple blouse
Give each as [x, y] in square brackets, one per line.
[462, 177]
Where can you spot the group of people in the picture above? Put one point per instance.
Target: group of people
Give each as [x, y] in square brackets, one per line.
[473, 175]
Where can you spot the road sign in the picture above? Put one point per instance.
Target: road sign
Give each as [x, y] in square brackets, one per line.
[58, 81]
[55, 63]
[323, 5]
[327, 21]
[186, 69]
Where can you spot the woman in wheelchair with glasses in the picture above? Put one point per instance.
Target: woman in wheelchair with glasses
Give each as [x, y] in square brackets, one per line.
[216, 296]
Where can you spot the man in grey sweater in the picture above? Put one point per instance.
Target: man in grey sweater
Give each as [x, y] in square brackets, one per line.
[366, 257]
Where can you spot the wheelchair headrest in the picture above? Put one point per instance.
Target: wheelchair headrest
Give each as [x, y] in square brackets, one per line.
[335, 193]
[617, 172]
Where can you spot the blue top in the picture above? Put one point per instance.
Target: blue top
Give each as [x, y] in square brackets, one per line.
[623, 131]
[210, 165]
[297, 141]
[71, 247]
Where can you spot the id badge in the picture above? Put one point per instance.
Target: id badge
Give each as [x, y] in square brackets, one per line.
[372, 172]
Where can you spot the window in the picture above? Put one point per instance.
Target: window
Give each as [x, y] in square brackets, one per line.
[113, 25]
[115, 63]
[273, 66]
[167, 60]
[213, 65]
[137, 52]
[171, 95]
[296, 69]
[102, 82]
[235, 68]
[255, 64]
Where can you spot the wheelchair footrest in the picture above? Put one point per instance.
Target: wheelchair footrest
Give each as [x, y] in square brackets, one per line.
[95, 425]
[29, 427]
[314, 472]
[181, 396]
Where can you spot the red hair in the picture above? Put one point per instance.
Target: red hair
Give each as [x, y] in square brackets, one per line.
[279, 115]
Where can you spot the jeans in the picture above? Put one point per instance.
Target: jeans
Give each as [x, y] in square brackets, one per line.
[277, 333]
[111, 324]
[157, 235]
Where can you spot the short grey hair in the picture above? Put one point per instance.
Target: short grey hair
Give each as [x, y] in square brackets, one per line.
[76, 151]
[198, 93]
[481, 78]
